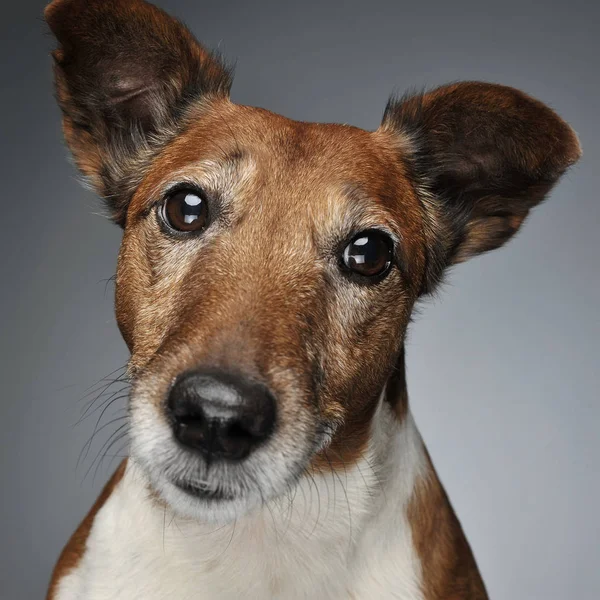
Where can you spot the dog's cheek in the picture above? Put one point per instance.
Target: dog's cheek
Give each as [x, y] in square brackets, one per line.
[132, 277]
[366, 329]
[142, 309]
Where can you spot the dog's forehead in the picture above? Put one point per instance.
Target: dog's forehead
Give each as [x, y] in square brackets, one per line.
[289, 161]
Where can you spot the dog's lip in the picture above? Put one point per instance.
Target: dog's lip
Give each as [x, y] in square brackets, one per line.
[202, 492]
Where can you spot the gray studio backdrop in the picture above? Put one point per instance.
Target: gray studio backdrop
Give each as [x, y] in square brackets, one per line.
[503, 366]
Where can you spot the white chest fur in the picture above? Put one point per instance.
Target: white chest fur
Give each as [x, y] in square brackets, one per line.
[336, 536]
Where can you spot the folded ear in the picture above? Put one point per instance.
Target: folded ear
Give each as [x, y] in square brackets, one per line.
[482, 156]
[126, 72]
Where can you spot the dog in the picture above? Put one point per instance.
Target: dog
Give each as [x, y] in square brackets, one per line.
[265, 283]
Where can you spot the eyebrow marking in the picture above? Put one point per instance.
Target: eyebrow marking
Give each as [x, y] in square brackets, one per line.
[206, 173]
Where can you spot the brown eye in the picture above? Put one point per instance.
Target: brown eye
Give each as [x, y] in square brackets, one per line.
[185, 210]
[369, 254]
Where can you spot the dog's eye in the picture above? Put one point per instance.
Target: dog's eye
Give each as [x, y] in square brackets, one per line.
[369, 254]
[185, 210]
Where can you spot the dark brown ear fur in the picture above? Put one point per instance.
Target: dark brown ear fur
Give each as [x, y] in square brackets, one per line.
[125, 74]
[483, 155]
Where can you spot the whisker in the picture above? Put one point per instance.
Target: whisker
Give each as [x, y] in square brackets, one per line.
[105, 378]
[107, 444]
[112, 278]
[115, 441]
[88, 444]
[345, 494]
[312, 478]
[87, 412]
[116, 399]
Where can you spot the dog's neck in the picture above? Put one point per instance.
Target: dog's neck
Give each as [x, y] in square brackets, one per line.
[379, 528]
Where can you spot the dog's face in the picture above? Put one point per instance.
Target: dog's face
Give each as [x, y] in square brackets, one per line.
[269, 267]
[297, 270]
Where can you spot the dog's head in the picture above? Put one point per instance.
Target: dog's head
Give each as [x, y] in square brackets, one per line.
[269, 267]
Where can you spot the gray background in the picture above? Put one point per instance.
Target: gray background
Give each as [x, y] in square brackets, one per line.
[503, 367]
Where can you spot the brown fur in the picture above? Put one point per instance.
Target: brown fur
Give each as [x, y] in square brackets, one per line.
[296, 285]
[449, 569]
[125, 74]
[483, 155]
[75, 548]
[449, 174]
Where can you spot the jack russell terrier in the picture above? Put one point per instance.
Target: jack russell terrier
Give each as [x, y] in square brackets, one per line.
[265, 283]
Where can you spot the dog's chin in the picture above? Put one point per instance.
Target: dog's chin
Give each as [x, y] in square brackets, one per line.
[200, 504]
[219, 504]
[217, 499]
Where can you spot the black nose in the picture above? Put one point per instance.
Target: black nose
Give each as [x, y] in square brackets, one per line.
[220, 414]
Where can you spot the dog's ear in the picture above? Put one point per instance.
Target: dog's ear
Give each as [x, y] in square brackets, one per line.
[126, 73]
[482, 156]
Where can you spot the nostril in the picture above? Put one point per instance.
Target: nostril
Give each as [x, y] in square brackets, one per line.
[237, 430]
[192, 431]
[234, 441]
[191, 421]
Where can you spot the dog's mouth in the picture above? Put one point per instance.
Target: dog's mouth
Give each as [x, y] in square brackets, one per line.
[203, 492]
